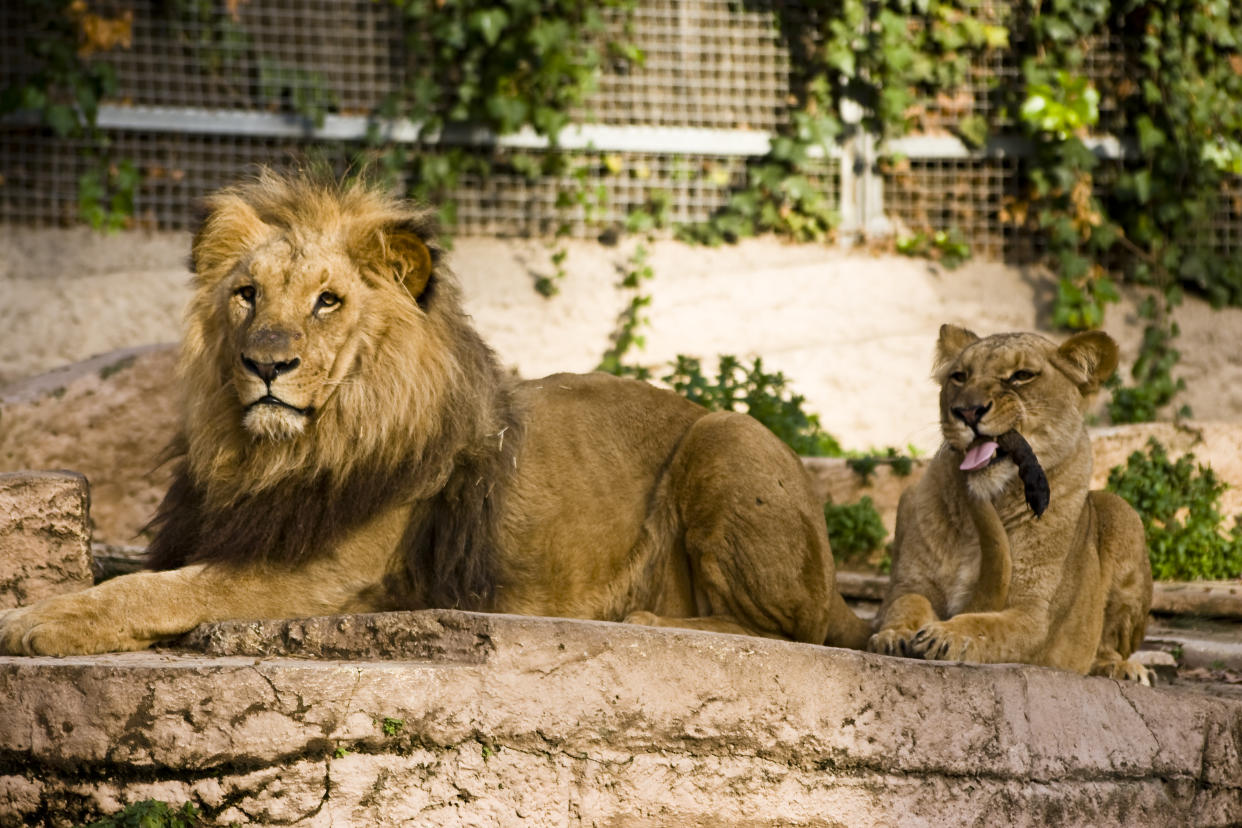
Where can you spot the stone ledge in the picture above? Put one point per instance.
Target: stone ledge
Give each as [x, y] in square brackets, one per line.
[559, 722]
[45, 536]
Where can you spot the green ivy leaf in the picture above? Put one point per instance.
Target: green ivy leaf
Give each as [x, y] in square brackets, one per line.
[973, 130]
[489, 23]
[61, 119]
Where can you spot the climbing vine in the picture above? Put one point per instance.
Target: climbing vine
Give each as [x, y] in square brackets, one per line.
[1175, 99]
[504, 67]
[63, 94]
[1172, 98]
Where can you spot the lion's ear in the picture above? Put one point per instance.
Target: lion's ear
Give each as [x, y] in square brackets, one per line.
[407, 257]
[953, 340]
[1088, 359]
[230, 229]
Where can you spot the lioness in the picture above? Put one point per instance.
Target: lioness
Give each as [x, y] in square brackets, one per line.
[349, 444]
[978, 575]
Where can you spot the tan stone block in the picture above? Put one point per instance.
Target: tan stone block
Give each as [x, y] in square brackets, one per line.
[451, 718]
[45, 536]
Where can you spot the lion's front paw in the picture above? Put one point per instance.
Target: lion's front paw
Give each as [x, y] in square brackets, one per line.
[64, 625]
[939, 642]
[891, 641]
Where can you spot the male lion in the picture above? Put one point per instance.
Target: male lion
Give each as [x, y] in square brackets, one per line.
[349, 444]
[992, 561]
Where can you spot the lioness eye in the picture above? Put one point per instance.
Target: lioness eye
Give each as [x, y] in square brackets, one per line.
[1021, 376]
[246, 292]
[327, 299]
[958, 376]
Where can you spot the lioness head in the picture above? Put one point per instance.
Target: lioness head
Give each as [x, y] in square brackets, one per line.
[1015, 382]
[297, 282]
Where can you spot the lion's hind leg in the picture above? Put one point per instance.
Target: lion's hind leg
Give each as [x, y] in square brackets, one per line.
[754, 537]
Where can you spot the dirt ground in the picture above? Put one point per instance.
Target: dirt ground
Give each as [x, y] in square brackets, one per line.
[854, 332]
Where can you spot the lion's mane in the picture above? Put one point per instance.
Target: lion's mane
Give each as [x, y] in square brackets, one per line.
[423, 414]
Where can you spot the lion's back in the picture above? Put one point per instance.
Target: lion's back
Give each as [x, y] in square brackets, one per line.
[610, 415]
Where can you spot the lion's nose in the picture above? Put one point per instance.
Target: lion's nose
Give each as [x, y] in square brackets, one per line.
[268, 371]
[971, 414]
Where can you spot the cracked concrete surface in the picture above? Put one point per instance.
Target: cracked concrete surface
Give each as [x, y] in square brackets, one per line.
[559, 722]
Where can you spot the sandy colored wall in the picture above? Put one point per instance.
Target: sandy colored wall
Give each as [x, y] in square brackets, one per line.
[853, 331]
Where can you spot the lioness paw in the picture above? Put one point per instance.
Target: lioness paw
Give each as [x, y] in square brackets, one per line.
[891, 642]
[1126, 670]
[938, 642]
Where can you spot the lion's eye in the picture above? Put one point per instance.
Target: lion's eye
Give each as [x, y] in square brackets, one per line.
[1022, 376]
[246, 292]
[958, 377]
[327, 300]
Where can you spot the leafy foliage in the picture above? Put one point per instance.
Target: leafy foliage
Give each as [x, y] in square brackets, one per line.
[151, 813]
[501, 66]
[1179, 502]
[785, 190]
[505, 65]
[630, 320]
[764, 396]
[855, 530]
[638, 271]
[64, 92]
[887, 61]
[864, 464]
[948, 247]
[307, 93]
[1154, 385]
[1179, 95]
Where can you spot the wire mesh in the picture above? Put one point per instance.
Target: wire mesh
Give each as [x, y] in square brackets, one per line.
[707, 63]
[39, 175]
[727, 64]
[964, 196]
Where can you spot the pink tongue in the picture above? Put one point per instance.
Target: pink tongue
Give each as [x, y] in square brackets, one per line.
[978, 456]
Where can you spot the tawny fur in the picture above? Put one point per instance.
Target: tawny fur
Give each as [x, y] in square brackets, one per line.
[976, 575]
[350, 444]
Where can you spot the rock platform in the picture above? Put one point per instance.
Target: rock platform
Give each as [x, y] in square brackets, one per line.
[453, 718]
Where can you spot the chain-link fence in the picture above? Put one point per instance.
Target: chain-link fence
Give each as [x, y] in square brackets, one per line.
[716, 74]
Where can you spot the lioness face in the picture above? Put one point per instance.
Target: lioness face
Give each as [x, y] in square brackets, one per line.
[1020, 382]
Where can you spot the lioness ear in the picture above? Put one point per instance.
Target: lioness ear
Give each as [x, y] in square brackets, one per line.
[953, 340]
[1088, 359]
[407, 258]
[230, 229]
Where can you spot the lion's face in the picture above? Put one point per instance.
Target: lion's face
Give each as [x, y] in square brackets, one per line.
[1020, 382]
[299, 289]
[293, 313]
